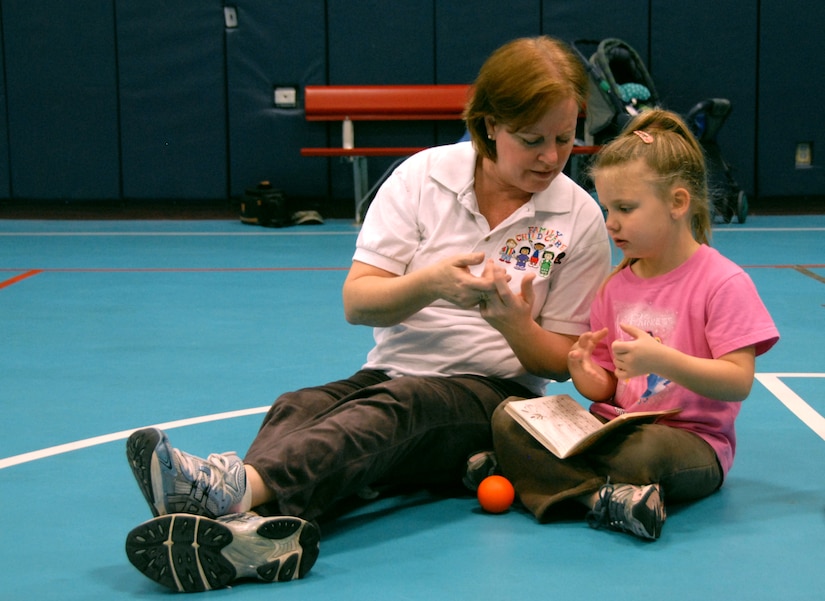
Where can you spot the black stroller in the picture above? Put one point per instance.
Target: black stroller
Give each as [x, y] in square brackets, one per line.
[621, 87]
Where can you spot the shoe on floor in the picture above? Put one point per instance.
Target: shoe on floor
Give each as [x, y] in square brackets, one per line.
[189, 553]
[639, 510]
[479, 466]
[175, 482]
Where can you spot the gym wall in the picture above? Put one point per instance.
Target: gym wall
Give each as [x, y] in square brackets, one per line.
[159, 100]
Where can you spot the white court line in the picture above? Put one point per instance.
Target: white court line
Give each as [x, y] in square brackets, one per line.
[123, 435]
[771, 381]
[793, 401]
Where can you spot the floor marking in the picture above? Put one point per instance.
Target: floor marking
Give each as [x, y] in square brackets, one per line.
[793, 401]
[21, 277]
[804, 271]
[123, 435]
[771, 381]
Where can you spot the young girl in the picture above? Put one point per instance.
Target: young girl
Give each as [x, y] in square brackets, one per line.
[676, 325]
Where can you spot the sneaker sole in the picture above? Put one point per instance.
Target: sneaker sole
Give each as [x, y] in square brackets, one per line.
[651, 522]
[190, 553]
[140, 451]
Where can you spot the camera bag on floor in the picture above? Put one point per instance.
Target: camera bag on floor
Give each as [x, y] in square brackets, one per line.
[266, 206]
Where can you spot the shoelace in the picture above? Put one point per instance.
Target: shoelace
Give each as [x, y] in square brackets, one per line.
[208, 474]
[601, 516]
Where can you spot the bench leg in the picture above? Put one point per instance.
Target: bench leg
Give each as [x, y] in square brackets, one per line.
[360, 182]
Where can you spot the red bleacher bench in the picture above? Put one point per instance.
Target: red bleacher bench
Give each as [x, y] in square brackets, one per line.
[349, 104]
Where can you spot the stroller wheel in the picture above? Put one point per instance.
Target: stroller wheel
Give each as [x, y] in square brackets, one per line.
[741, 206]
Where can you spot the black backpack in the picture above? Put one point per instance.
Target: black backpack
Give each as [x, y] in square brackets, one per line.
[266, 206]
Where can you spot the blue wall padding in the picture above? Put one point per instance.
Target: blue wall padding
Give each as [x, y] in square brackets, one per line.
[790, 97]
[157, 99]
[272, 48]
[596, 19]
[379, 42]
[685, 74]
[61, 93]
[375, 42]
[5, 179]
[173, 98]
[467, 32]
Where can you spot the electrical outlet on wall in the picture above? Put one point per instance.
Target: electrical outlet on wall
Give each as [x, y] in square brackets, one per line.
[230, 17]
[286, 97]
[804, 155]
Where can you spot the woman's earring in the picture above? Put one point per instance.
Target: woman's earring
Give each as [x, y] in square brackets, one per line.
[490, 137]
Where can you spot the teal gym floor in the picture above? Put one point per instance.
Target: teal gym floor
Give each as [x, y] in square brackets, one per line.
[197, 325]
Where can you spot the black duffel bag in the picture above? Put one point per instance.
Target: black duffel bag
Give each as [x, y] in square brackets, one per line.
[266, 206]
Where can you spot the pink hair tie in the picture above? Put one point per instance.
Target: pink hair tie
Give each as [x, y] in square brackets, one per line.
[645, 137]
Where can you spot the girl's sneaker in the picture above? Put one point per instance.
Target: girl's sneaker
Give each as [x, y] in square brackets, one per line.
[639, 510]
[189, 553]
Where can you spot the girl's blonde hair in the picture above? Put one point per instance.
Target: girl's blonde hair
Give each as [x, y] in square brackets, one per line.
[518, 83]
[665, 143]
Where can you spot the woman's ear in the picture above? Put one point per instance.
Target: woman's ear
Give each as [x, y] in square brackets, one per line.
[679, 202]
[490, 125]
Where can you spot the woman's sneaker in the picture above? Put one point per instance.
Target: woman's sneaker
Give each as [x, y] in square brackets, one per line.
[175, 482]
[189, 553]
[639, 510]
[479, 466]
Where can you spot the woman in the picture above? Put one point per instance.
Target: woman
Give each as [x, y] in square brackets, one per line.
[456, 332]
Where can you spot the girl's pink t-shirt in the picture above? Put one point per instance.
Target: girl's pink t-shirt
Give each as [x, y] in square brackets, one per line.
[707, 307]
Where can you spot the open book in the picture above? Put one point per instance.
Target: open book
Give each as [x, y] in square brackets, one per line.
[566, 428]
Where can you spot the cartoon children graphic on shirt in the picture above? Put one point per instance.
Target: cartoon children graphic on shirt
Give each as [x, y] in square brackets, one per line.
[546, 263]
[507, 251]
[534, 258]
[522, 258]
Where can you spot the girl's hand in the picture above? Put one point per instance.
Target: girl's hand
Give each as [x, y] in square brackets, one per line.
[580, 357]
[590, 379]
[636, 357]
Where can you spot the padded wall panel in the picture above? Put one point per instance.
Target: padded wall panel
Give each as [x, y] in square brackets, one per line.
[172, 98]
[5, 179]
[270, 48]
[379, 42]
[467, 32]
[596, 20]
[791, 89]
[722, 65]
[62, 102]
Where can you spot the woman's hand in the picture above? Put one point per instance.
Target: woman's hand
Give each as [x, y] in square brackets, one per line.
[541, 352]
[453, 282]
[502, 308]
[379, 298]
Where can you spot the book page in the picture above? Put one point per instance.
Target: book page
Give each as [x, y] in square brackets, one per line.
[565, 427]
[558, 419]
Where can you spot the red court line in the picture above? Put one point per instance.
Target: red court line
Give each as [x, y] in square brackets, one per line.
[20, 278]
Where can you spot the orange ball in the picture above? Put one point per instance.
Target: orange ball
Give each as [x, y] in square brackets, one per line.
[496, 494]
